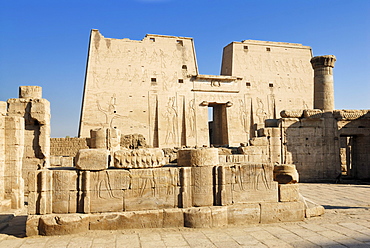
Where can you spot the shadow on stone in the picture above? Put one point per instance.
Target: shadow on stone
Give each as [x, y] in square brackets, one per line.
[13, 225]
[342, 207]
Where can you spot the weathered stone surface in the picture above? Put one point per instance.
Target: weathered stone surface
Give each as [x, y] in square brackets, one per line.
[202, 186]
[30, 92]
[32, 225]
[173, 217]
[139, 158]
[92, 159]
[51, 225]
[67, 146]
[288, 192]
[246, 183]
[282, 212]
[313, 113]
[198, 217]
[157, 188]
[292, 113]
[323, 82]
[3, 108]
[197, 157]
[286, 173]
[133, 141]
[241, 214]
[126, 220]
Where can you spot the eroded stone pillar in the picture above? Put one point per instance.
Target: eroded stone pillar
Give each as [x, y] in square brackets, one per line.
[323, 82]
[36, 113]
[200, 178]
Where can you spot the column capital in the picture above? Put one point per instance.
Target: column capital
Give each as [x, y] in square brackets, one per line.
[323, 61]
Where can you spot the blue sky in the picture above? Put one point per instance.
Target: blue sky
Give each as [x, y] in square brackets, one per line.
[45, 42]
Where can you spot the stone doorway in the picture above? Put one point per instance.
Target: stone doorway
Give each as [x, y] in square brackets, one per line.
[346, 155]
[217, 125]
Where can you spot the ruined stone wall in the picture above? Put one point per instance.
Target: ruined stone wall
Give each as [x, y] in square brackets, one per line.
[12, 130]
[35, 113]
[67, 146]
[198, 192]
[313, 144]
[311, 140]
[355, 125]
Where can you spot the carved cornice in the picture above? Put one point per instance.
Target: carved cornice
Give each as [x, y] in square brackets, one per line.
[292, 113]
[323, 61]
[346, 114]
[312, 113]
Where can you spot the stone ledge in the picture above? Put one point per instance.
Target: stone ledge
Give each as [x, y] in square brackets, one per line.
[194, 217]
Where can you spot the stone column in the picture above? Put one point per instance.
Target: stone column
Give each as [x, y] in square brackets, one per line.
[201, 161]
[323, 82]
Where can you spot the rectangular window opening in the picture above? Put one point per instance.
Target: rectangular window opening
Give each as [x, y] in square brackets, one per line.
[247, 84]
[245, 47]
[152, 39]
[181, 81]
[153, 80]
[271, 85]
[268, 49]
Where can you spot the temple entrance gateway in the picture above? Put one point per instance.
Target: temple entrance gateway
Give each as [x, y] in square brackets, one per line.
[218, 131]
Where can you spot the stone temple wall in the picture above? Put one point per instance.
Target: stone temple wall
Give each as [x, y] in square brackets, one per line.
[152, 87]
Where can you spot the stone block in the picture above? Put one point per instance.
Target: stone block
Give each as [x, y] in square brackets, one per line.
[286, 173]
[127, 220]
[32, 225]
[248, 183]
[198, 217]
[173, 217]
[143, 219]
[282, 212]
[3, 108]
[113, 139]
[219, 216]
[259, 141]
[241, 214]
[202, 186]
[51, 225]
[314, 211]
[64, 202]
[30, 92]
[40, 111]
[288, 192]
[106, 221]
[98, 138]
[153, 189]
[92, 159]
[222, 159]
[198, 157]
[110, 200]
[139, 158]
